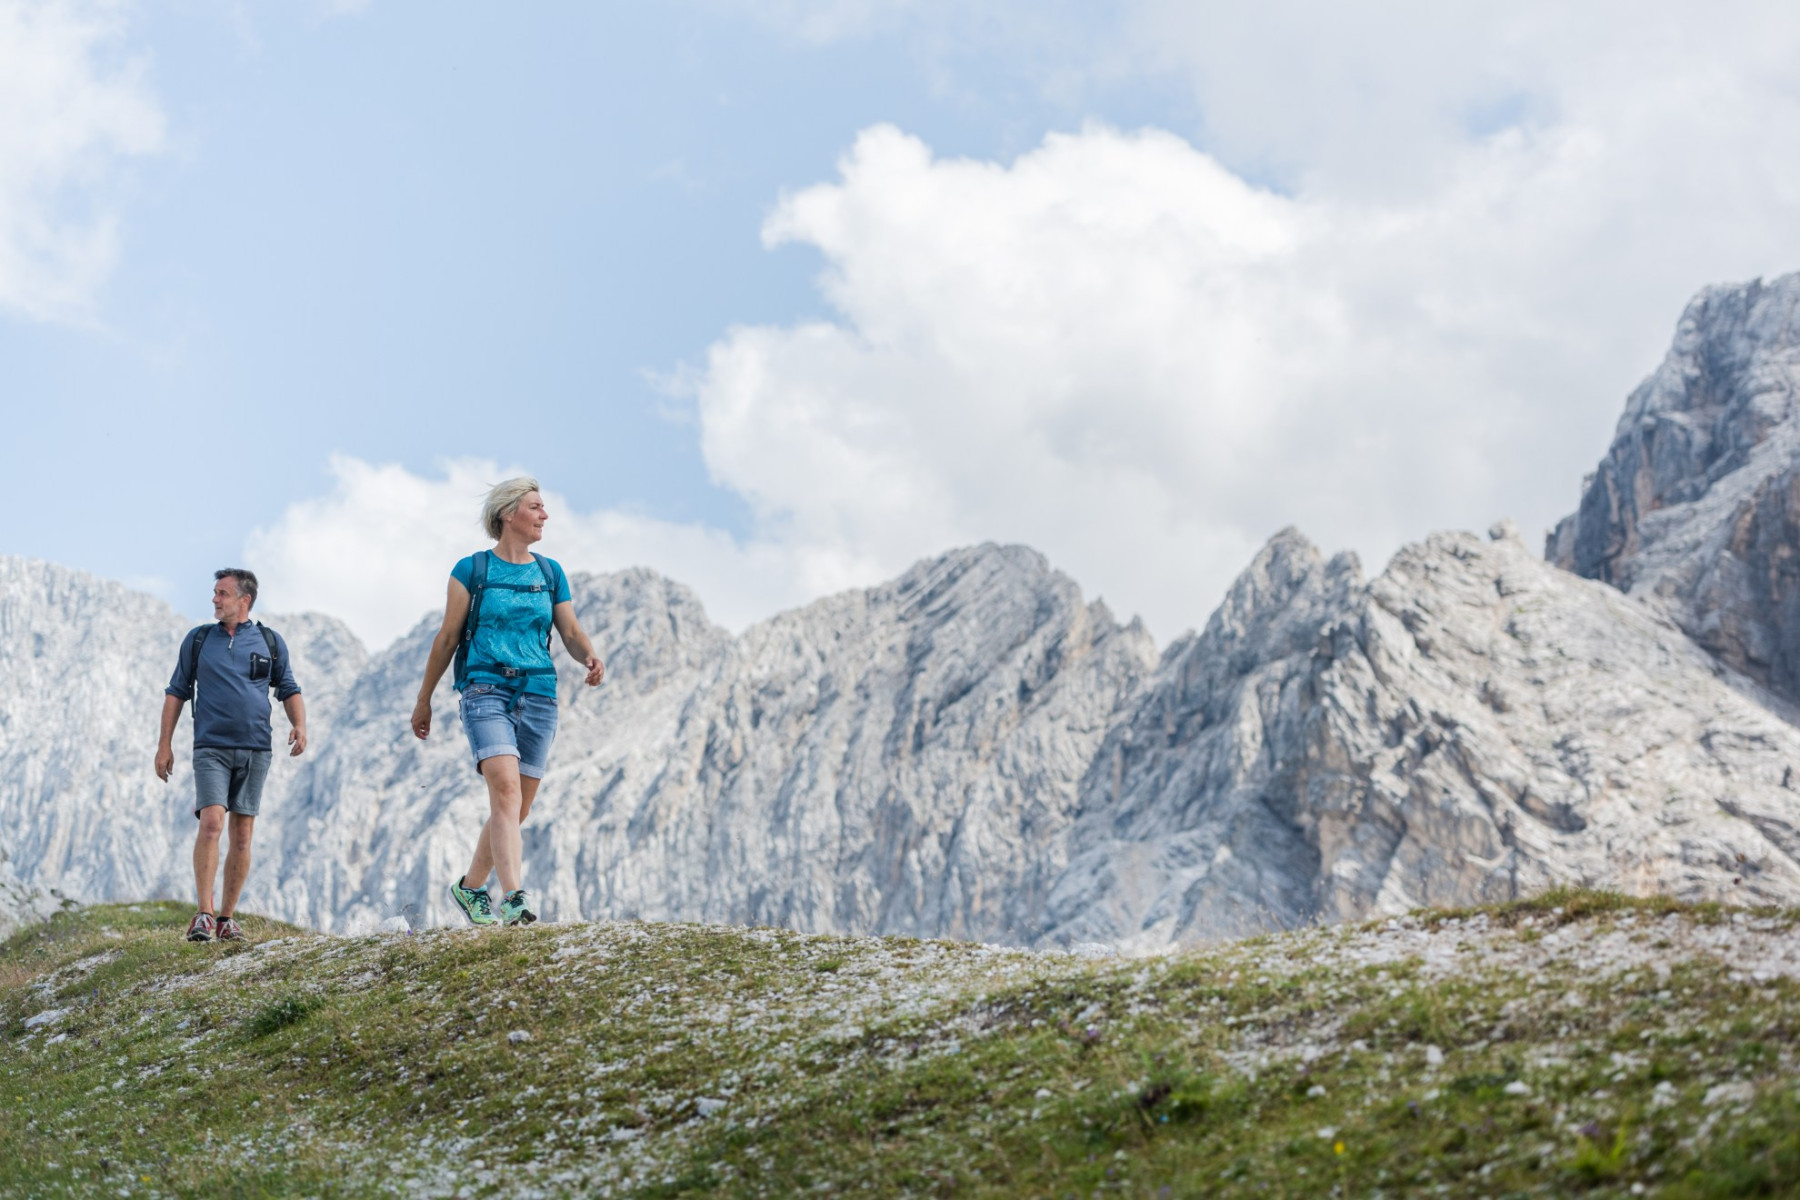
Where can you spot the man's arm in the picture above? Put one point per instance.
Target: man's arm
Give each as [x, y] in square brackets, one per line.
[165, 741]
[575, 641]
[295, 707]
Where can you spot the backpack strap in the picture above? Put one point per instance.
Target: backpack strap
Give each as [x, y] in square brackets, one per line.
[549, 586]
[196, 640]
[478, 572]
[274, 655]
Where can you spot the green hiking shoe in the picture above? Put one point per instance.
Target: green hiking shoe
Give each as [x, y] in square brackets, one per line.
[474, 903]
[516, 909]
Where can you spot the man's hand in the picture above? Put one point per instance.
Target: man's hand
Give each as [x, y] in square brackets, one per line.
[595, 669]
[165, 761]
[297, 739]
[421, 718]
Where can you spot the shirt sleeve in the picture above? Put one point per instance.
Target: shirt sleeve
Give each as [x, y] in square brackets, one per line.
[562, 584]
[181, 683]
[464, 571]
[285, 686]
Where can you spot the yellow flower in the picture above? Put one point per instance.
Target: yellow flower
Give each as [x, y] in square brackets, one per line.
[1338, 1147]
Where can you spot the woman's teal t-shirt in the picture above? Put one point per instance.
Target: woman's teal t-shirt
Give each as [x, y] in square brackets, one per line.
[514, 625]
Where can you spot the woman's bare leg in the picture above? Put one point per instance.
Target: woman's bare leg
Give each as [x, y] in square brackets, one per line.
[483, 862]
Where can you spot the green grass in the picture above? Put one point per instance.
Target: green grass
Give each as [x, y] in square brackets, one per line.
[675, 1060]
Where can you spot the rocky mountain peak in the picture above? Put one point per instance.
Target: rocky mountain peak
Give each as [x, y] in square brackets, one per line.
[1696, 506]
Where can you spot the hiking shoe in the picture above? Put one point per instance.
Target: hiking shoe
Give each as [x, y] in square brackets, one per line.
[201, 928]
[516, 909]
[229, 931]
[474, 903]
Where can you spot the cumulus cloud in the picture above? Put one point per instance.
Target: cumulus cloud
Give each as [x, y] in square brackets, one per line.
[75, 106]
[376, 549]
[1405, 285]
[1120, 351]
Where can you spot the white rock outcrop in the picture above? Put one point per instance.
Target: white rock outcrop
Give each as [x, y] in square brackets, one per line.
[1696, 507]
[974, 750]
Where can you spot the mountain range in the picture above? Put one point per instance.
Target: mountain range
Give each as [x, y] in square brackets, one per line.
[975, 750]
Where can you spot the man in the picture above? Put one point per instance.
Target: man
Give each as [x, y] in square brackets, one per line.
[227, 670]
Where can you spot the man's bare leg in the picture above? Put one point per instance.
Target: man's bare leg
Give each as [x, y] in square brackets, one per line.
[206, 854]
[483, 863]
[237, 860]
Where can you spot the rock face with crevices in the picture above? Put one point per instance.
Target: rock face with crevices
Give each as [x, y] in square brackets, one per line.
[1696, 506]
[1471, 726]
[975, 750]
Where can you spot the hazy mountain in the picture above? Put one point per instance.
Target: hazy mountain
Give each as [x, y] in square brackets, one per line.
[975, 750]
[1696, 506]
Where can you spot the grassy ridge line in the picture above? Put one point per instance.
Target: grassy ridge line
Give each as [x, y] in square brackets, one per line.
[1578, 1042]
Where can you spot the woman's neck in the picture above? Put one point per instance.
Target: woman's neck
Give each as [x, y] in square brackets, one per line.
[513, 550]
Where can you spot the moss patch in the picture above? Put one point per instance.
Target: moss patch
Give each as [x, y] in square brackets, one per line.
[1578, 1043]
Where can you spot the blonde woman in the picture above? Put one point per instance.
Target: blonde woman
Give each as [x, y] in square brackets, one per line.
[502, 605]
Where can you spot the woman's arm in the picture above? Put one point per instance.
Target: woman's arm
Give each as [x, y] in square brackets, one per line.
[576, 642]
[443, 649]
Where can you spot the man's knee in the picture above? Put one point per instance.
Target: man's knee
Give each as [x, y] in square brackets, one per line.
[212, 821]
[241, 828]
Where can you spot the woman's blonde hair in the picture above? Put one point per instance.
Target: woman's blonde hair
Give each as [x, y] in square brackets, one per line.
[503, 500]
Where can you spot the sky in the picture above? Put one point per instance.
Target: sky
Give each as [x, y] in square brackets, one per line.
[779, 298]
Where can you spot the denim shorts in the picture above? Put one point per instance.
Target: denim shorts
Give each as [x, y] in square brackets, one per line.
[499, 720]
[231, 778]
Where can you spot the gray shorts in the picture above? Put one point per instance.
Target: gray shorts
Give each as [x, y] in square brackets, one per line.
[231, 778]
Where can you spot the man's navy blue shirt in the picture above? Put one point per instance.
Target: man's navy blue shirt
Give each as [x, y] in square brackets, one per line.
[232, 712]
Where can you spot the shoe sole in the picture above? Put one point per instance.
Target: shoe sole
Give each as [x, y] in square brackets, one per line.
[199, 937]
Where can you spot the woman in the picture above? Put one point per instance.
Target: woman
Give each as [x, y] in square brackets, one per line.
[501, 606]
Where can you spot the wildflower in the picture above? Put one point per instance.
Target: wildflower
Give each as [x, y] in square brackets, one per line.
[1337, 1147]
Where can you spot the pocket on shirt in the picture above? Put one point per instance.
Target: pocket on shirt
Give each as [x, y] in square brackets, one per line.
[259, 668]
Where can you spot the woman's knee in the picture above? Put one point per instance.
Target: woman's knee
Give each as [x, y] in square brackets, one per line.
[505, 802]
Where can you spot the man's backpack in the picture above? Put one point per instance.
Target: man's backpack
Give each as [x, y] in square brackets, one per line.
[198, 639]
[478, 583]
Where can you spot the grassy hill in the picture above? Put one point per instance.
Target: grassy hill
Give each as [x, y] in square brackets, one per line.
[1577, 1043]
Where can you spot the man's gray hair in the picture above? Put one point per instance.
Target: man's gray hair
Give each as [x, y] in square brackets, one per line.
[245, 580]
[503, 501]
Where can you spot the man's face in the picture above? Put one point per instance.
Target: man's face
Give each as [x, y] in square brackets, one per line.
[228, 603]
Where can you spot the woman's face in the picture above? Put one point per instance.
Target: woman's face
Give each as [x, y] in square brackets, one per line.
[527, 520]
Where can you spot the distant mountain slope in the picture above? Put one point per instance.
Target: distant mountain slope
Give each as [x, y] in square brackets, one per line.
[83, 663]
[975, 750]
[1696, 506]
[1473, 724]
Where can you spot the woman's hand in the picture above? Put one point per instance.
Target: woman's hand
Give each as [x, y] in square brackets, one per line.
[595, 669]
[421, 718]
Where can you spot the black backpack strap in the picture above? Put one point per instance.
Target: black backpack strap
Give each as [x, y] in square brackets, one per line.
[478, 572]
[195, 640]
[274, 655]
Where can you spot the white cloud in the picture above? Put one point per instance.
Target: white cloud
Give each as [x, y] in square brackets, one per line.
[377, 549]
[72, 106]
[1116, 349]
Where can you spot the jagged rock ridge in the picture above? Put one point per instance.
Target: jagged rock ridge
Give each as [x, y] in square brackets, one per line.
[1696, 506]
[975, 750]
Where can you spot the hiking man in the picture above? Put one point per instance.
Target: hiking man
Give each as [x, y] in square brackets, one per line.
[227, 669]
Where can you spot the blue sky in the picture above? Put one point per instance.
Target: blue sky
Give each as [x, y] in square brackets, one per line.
[777, 298]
